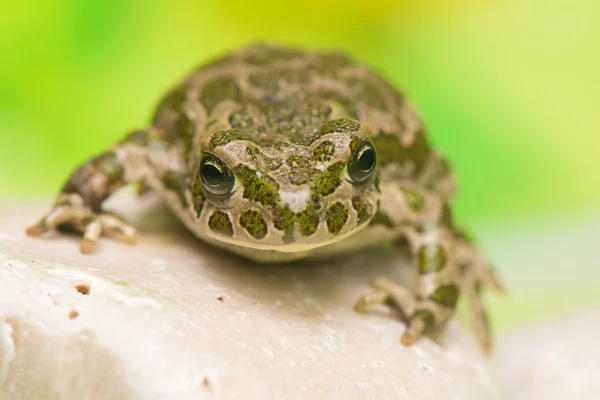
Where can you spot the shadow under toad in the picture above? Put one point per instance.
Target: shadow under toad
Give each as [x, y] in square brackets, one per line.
[303, 288]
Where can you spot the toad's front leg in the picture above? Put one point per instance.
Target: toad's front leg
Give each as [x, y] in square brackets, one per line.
[447, 264]
[79, 205]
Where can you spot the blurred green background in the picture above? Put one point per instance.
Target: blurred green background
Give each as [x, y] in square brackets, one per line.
[509, 89]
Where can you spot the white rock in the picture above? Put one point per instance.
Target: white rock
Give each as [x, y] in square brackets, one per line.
[147, 322]
[557, 359]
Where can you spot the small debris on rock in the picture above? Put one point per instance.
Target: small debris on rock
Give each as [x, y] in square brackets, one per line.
[206, 384]
[83, 289]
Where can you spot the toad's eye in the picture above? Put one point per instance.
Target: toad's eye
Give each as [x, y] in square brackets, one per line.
[217, 178]
[362, 163]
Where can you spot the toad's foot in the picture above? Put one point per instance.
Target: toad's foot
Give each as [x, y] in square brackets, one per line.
[70, 212]
[430, 314]
[476, 274]
[419, 314]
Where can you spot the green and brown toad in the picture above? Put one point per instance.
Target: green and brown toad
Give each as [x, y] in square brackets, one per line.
[278, 154]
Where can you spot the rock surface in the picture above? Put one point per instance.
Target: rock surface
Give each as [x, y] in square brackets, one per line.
[172, 318]
[557, 359]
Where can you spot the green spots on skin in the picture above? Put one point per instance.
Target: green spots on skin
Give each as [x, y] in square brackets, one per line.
[303, 127]
[446, 221]
[217, 91]
[270, 142]
[426, 316]
[278, 113]
[298, 121]
[267, 81]
[301, 170]
[346, 103]
[326, 183]
[446, 295]
[254, 152]
[271, 80]
[318, 111]
[342, 125]
[172, 103]
[241, 120]
[295, 76]
[263, 190]
[295, 124]
[367, 92]
[296, 161]
[220, 223]
[324, 151]
[253, 222]
[432, 258]
[354, 145]
[390, 150]
[381, 218]
[362, 209]
[221, 138]
[328, 64]
[109, 164]
[175, 98]
[274, 164]
[297, 136]
[184, 129]
[283, 220]
[176, 182]
[376, 182]
[256, 155]
[172, 181]
[336, 217]
[286, 120]
[308, 220]
[198, 197]
[414, 200]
